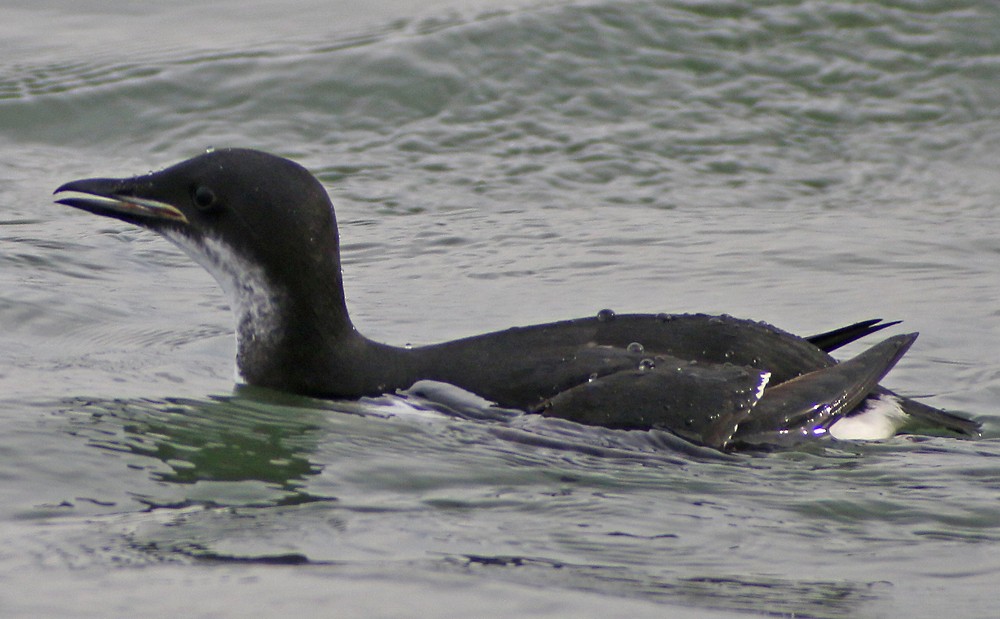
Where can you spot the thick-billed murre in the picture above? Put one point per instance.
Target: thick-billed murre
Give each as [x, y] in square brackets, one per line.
[264, 227]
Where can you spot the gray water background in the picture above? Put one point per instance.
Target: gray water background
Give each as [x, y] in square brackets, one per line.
[494, 164]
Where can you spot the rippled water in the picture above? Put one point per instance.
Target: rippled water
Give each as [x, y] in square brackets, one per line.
[805, 163]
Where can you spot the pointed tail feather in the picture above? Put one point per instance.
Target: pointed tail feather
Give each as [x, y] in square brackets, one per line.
[927, 419]
[832, 340]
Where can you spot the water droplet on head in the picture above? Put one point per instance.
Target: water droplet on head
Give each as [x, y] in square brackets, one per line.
[592, 377]
[635, 348]
[646, 364]
[606, 315]
[665, 317]
[408, 346]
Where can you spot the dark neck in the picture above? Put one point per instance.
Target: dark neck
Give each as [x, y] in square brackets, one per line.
[304, 342]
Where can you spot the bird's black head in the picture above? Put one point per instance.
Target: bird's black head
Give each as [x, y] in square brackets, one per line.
[262, 225]
[270, 211]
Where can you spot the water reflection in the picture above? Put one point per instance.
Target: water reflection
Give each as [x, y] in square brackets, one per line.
[259, 444]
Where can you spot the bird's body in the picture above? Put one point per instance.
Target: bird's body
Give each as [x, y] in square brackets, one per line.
[264, 227]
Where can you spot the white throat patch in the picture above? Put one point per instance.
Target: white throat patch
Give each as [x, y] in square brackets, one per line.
[256, 303]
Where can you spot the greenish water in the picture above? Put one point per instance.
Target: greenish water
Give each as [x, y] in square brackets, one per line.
[805, 163]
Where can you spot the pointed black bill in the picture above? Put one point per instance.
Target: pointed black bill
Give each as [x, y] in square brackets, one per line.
[105, 196]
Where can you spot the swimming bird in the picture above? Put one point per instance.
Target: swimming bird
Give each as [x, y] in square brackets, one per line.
[265, 228]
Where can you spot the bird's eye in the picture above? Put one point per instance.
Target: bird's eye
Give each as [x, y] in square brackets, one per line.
[204, 198]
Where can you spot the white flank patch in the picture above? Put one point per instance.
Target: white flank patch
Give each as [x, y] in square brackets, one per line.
[397, 406]
[881, 417]
[449, 395]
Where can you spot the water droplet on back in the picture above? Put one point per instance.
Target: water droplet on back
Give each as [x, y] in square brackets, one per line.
[606, 315]
[646, 364]
[635, 348]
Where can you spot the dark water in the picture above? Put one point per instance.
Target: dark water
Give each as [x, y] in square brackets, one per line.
[805, 163]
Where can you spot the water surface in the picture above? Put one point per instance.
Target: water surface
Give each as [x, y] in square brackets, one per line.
[805, 163]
